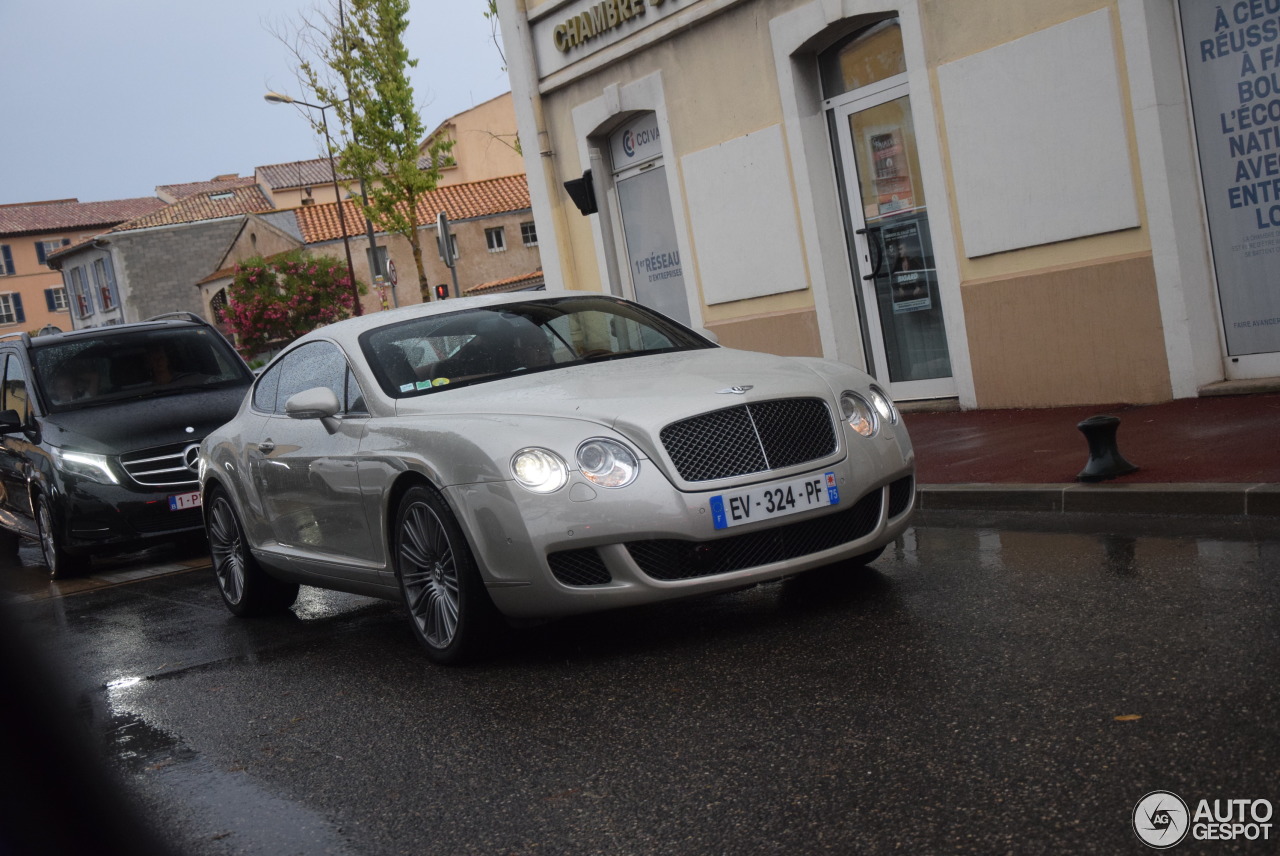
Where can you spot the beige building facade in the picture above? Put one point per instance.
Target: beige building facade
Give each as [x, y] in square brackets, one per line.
[1008, 204]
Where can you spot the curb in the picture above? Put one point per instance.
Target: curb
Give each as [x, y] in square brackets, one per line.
[1247, 500]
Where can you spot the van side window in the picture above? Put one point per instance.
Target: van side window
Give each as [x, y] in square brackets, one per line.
[14, 394]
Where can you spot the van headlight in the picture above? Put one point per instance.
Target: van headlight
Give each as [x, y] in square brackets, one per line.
[85, 465]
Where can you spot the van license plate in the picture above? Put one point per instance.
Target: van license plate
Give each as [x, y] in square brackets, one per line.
[183, 501]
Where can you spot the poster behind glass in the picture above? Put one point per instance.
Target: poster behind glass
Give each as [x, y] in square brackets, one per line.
[1233, 66]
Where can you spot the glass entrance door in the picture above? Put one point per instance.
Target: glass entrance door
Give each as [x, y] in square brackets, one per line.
[889, 219]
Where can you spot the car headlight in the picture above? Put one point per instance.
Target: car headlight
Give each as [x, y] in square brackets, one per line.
[85, 465]
[884, 406]
[539, 470]
[860, 415]
[607, 463]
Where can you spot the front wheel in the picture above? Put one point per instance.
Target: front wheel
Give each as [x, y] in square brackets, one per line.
[246, 588]
[60, 563]
[452, 614]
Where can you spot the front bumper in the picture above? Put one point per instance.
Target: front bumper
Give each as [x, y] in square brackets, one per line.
[586, 549]
[112, 516]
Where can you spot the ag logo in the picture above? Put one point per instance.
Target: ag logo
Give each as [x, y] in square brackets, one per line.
[1161, 819]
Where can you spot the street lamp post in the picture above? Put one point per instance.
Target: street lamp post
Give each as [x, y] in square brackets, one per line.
[277, 98]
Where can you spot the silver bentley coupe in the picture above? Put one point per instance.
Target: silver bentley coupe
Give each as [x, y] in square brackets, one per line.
[538, 454]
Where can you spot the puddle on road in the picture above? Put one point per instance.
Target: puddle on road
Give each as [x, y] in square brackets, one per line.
[225, 809]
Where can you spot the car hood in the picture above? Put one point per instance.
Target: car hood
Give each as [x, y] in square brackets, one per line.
[643, 392]
[128, 426]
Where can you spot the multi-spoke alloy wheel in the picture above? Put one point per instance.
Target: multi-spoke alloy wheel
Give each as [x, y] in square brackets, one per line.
[246, 588]
[452, 614]
[60, 563]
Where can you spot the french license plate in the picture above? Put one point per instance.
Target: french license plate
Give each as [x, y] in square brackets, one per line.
[181, 501]
[775, 500]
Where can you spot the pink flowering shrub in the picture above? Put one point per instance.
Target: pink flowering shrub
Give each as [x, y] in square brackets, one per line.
[274, 301]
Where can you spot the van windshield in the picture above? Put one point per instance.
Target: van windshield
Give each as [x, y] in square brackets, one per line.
[86, 372]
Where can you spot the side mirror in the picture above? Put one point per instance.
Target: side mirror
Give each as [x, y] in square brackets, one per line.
[316, 403]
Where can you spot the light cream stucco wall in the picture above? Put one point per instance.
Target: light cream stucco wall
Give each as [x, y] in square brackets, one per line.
[715, 89]
[1077, 334]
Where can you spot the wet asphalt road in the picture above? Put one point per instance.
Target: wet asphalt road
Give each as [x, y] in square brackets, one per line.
[980, 689]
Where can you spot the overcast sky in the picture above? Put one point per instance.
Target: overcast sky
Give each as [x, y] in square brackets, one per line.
[106, 100]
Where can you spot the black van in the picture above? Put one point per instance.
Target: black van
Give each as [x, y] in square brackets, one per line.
[99, 433]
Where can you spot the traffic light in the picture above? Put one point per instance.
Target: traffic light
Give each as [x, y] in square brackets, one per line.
[442, 291]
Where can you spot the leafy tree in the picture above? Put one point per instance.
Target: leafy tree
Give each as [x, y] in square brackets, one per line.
[274, 301]
[381, 127]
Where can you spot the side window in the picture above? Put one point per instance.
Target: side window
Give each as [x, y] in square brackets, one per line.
[314, 364]
[14, 394]
[354, 401]
[264, 392]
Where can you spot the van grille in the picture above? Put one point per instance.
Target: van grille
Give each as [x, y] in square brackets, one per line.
[162, 466]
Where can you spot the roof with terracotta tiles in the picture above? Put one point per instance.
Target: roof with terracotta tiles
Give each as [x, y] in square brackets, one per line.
[308, 173]
[177, 192]
[61, 215]
[210, 205]
[522, 282]
[458, 202]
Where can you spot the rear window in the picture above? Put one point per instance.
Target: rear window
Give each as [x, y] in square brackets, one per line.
[86, 372]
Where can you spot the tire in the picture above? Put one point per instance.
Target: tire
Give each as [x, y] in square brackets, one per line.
[60, 563]
[450, 610]
[246, 588]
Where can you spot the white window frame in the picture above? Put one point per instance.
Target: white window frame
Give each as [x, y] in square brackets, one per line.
[79, 289]
[529, 233]
[496, 239]
[61, 300]
[102, 283]
[8, 314]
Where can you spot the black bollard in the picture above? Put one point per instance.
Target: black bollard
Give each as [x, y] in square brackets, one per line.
[1105, 460]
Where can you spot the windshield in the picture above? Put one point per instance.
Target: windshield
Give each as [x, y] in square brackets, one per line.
[434, 353]
[90, 371]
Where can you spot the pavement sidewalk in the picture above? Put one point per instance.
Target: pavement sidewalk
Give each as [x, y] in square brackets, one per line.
[1209, 455]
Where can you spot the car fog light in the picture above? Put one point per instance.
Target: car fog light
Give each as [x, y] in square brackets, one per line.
[884, 406]
[539, 470]
[859, 414]
[607, 463]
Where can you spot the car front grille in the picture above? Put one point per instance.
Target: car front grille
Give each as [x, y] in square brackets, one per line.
[750, 438]
[162, 466]
[579, 567]
[672, 559]
[901, 493]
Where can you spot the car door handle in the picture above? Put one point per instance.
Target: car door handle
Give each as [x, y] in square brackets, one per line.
[267, 446]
